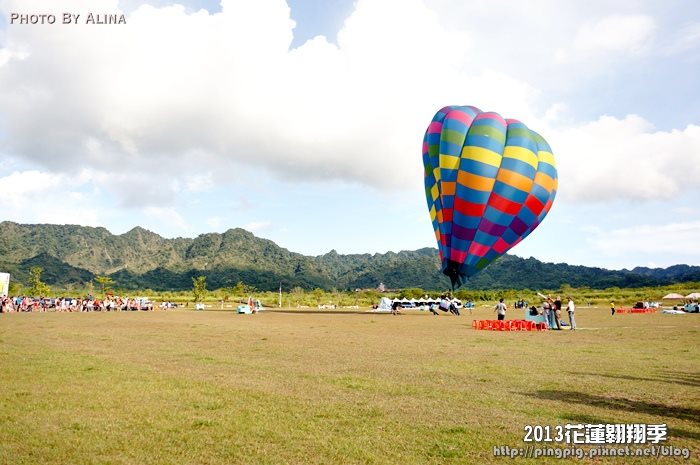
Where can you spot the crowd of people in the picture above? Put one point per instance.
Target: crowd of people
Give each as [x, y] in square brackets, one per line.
[74, 304]
[552, 312]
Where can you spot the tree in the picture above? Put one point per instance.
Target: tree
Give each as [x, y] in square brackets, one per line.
[298, 294]
[226, 293]
[105, 282]
[412, 293]
[319, 294]
[199, 288]
[36, 286]
[241, 289]
[15, 288]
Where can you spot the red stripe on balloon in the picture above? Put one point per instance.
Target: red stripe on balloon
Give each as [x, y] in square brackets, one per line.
[447, 214]
[504, 205]
[469, 208]
[501, 246]
[534, 205]
[549, 204]
[478, 249]
[460, 256]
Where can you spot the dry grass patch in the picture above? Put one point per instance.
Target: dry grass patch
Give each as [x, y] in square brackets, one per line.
[218, 388]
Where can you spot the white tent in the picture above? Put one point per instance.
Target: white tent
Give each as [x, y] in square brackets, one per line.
[672, 295]
[384, 305]
[694, 295]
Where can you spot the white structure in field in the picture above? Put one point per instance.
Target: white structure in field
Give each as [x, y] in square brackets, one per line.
[4, 283]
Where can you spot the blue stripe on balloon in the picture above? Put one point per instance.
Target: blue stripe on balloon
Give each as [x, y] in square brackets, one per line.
[540, 193]
[474, 196]
[497, 216]
[518, 166]
[448, 175]
[509, 192]
[466, 221]
[547, 169]
[476, 167]
[526, 216]
[485, 239]
[448, 148]
[459, 244]
[485, 142]
[519, 141]
[509, 236]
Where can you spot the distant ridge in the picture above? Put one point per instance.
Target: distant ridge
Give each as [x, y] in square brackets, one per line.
[142, 259]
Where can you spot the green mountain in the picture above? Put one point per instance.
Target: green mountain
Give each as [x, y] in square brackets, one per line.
[141, 259]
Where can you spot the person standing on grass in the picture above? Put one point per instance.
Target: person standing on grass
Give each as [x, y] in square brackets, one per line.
[612, 308]
[500, 309]
[571, 308]
[547, 311]
[557, 312]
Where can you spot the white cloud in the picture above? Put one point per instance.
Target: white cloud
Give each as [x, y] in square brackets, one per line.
[214, 222]
[679, 239]
[616, 33]
[686, 41]
[619, 159]
[257, 226]
[199, 183]
[175, 99]
[23, 187]
[157, 215]
[215, 88]
[39, 197]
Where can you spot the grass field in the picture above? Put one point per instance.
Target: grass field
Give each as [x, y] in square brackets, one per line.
[183, 387]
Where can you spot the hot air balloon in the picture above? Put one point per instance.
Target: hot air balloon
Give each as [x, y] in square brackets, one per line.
[489, 183]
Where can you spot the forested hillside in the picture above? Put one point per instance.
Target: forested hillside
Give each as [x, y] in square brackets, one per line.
[141, 259]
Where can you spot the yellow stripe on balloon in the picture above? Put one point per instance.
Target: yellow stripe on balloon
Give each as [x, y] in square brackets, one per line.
[514, 179]
[435, 192]
[482, 155]
[476, 182]
[522, 154]
[546, 157]
[449, 162]
[432, 213]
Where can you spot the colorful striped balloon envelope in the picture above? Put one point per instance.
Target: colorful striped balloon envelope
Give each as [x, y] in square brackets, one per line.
[489, 183]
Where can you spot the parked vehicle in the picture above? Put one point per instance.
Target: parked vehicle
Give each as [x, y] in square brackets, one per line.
[692, 307]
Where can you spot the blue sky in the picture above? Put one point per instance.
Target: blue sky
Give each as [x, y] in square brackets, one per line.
[302, 121]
